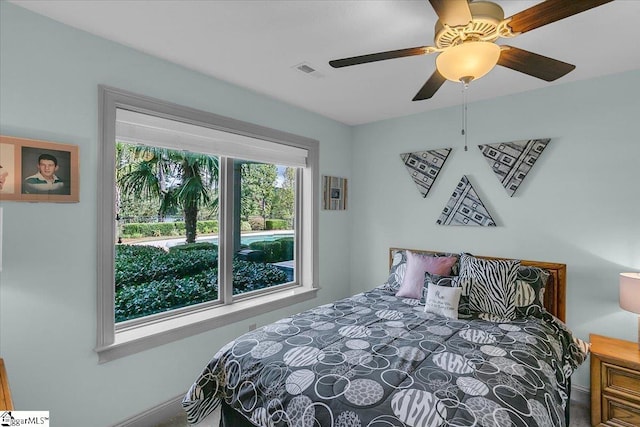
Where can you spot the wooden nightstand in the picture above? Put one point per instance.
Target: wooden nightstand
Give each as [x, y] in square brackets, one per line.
[615, 382]
[5, 395]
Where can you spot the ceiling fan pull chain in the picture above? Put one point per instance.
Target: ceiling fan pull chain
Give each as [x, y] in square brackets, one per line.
[464, 113]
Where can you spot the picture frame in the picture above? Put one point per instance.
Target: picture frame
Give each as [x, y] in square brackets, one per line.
[334, 194]
[38, 171]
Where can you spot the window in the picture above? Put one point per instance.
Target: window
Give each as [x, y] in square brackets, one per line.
[203, 220]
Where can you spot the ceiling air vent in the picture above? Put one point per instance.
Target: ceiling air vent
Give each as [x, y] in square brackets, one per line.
[306, 68]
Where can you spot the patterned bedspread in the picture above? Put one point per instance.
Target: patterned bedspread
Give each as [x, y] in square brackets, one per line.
[377, 360]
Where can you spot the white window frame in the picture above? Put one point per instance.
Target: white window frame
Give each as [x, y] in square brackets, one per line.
[161, 328]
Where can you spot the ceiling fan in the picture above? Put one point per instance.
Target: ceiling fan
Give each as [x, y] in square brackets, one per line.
[465, 36]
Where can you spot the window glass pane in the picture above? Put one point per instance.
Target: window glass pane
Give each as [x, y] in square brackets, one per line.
[166, 255]
[137, 134]
[265, 214]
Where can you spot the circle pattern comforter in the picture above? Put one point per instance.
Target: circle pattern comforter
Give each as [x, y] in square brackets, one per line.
[377, 360]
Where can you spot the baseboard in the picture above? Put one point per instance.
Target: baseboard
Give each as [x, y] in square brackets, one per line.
[580, 395]
[155, 415]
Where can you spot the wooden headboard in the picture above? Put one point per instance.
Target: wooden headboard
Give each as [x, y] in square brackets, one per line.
[555, 292]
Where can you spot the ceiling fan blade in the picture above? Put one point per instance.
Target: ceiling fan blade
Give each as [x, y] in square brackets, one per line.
[430, 87]
[550, 11]
[452, 12]
[535, 65]
[380, 56]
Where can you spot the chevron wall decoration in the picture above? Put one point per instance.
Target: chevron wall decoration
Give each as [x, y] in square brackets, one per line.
[512, 161]
[424, 166]
[465, 208]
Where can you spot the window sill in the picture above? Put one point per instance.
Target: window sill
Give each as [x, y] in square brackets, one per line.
[136, 339]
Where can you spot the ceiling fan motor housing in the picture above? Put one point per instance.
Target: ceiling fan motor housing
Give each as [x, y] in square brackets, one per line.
[487, 17]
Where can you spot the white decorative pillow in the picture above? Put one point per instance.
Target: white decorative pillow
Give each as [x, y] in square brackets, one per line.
[442, 300]
[490, 285]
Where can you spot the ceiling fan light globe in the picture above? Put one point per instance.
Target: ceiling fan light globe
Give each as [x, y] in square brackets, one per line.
[470, 59]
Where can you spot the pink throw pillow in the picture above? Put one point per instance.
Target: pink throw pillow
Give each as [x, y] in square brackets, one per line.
[417, 265]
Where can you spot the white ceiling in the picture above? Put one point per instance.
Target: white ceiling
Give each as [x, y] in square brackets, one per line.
[257, 44]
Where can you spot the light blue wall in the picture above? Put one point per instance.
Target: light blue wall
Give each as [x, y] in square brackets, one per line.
[580, 205]
[49, 75]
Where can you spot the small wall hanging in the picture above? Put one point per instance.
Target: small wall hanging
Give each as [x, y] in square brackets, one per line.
[465, 208]
[38, 171]
[424, 166]
[512, 161]
[334, 194]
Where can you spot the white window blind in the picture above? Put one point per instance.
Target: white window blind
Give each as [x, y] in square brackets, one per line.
[139, 128]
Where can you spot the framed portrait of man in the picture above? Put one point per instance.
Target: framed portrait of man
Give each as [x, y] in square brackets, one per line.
[38, 171]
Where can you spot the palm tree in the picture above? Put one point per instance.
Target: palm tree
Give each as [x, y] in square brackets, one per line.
[178, 179]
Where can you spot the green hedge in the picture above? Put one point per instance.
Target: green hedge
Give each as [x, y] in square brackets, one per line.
[150, 280]
[250, 276]
[198, 246]
[272, 250]
[181, 229]
[157, 229]
[156, 296]
[139, 264]
[287, 245]
[256, 222]
[206, 227]
[276, 224]
[275, 251]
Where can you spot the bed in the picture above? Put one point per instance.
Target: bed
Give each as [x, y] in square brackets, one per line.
[381, 358]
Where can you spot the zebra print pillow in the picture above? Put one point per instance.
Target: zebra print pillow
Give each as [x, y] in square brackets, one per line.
[530, 285]
[490, 285]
